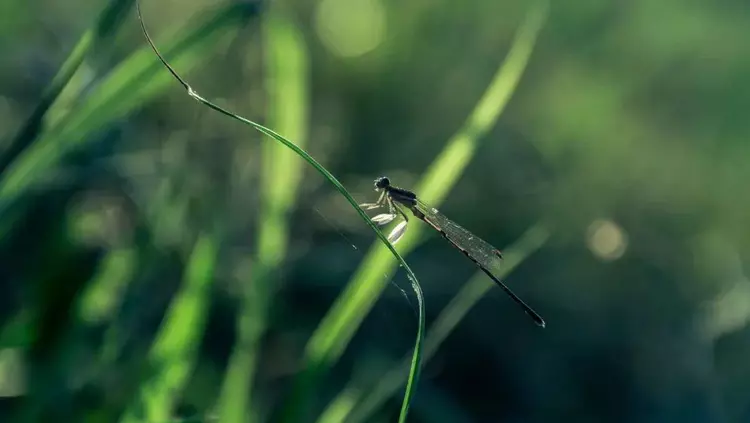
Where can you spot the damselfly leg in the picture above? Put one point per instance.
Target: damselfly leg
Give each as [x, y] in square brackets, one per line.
[385, 201]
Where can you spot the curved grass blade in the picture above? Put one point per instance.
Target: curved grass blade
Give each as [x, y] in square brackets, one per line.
[367, 284]
[318, 359]
[357, 403]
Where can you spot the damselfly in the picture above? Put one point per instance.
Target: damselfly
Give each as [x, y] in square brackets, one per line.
[484, 255]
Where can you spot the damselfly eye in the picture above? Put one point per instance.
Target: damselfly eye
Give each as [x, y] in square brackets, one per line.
[382, 182]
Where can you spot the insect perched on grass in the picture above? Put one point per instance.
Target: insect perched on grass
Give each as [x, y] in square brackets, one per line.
[484, 255]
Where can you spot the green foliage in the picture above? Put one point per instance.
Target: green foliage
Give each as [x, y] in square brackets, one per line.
[287, 88]
[161, 263]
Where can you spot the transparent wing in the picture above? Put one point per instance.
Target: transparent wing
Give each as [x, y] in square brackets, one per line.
[482, 251]
[487, 257]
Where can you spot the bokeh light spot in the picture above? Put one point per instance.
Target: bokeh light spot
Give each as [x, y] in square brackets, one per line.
[606, 239]
[351, 28]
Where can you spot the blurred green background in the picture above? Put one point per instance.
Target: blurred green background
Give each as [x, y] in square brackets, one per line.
[160, 262]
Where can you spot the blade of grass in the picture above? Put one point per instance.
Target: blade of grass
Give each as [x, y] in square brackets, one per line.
[173, 353]
[339, 325]
[287, 87]
[100, 298]
[416, 358]
[128, 86]
[357, 404]
[108, 22]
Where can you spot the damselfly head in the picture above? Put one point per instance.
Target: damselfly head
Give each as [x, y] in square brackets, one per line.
[382, 182]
